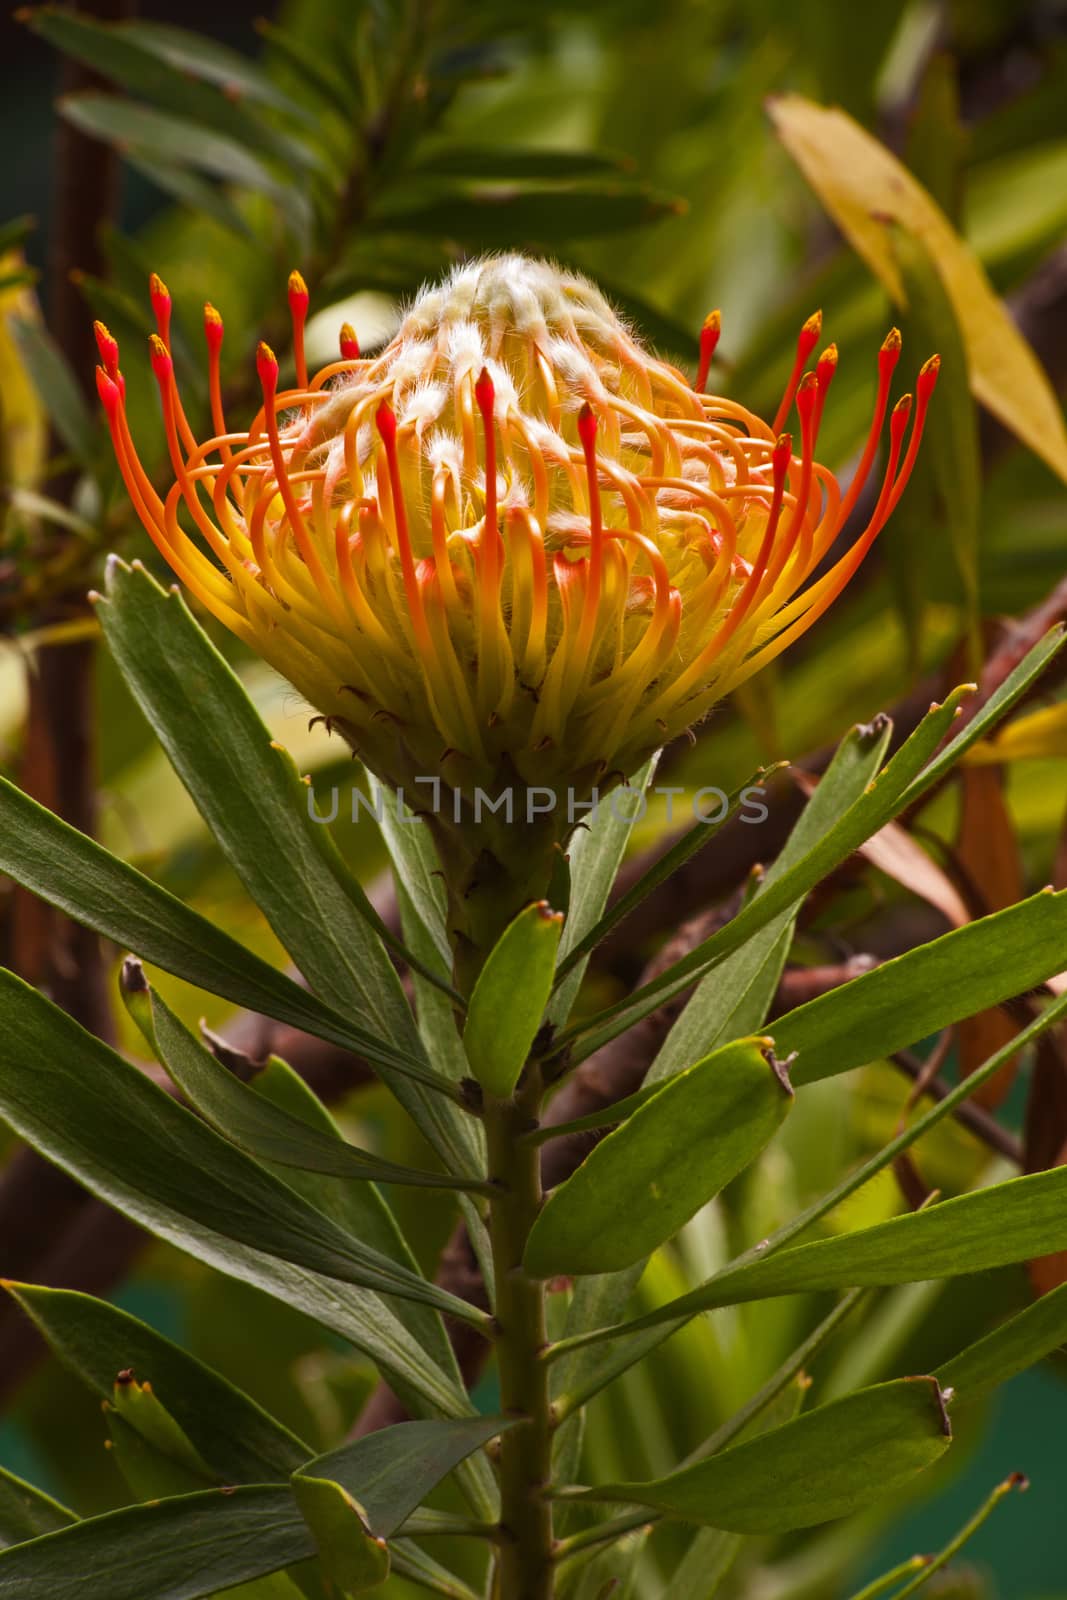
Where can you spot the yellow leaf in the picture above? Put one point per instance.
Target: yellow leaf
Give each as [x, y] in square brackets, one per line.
[861, 184]
[1038, 736]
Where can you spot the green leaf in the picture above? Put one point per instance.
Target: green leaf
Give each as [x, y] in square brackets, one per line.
[391, 1472]
[1017, 1344]
[93, 887]
[352, 1558]
[96, 1341]
[191, 190]
[950, 457]
[735, 995]
[911, 772]
[825, 1464]
[930, 987]
[198, 56]
[516, 162]
[509, 999]
[132, 1145]
[120, 56]
[639, 1185]
[157, 136]
[994, 1227]
[503, 213]
[150, 1474]
[57, 389]
[415, 866]
[250, 795]
[245, 1118]
[26, 1512]
[178, 1549]
[665, 866]
[15, 233]
[595, 854]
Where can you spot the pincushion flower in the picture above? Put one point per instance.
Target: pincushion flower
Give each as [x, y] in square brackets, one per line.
[514, 548]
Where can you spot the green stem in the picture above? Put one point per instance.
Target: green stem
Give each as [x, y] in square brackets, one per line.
[525, 1562]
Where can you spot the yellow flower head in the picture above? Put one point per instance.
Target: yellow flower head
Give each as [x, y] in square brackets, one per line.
[514, 546]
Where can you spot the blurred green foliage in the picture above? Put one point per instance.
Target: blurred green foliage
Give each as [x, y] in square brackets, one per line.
[374, 142]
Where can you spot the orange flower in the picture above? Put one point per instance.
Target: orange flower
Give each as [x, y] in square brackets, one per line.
[514, 545]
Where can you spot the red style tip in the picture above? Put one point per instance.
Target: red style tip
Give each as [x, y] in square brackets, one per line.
[898, 419]
[782, 456]
[108, 390]
[298, 295]
[267, 367]
[385, 418]
[587, 426]
[159, 295]
[889, 354]
[162, 365]
[807, 395]
[108, 347]
[709, 339]
[485, 394]
[212, 327]
[349, 343]
[826, 366]
[808, 336]
[926, 382]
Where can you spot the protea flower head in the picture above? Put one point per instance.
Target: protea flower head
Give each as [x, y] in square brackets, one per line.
[514, 548]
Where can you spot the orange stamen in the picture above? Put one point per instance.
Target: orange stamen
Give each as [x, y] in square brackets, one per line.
[807, 339]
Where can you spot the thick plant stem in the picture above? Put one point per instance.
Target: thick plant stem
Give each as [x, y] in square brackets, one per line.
[525, 1570]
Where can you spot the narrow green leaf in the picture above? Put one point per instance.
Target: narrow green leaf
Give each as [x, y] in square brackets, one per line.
[199, 194]
[251, 796]
[97, 1341]
[415, 866]
[516, 162]
[119, 55]
[595, 854]
[150, 1474]
[26, 1512]
[485, 214]
[930, 987]
[245, 1118]
[637, 1187]
[912, 771]
[389, 1473]
[199, 56]
[78, 876]
[132, 1145]
[177, 1549]
[15, 232]
[994, 1227]
[352, 1558]
[157, 135]
[952, 467]
[509, 999]
[691, 842]
[735, 995]
[825, 1464]
[1017, 1344]
[57, 389]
